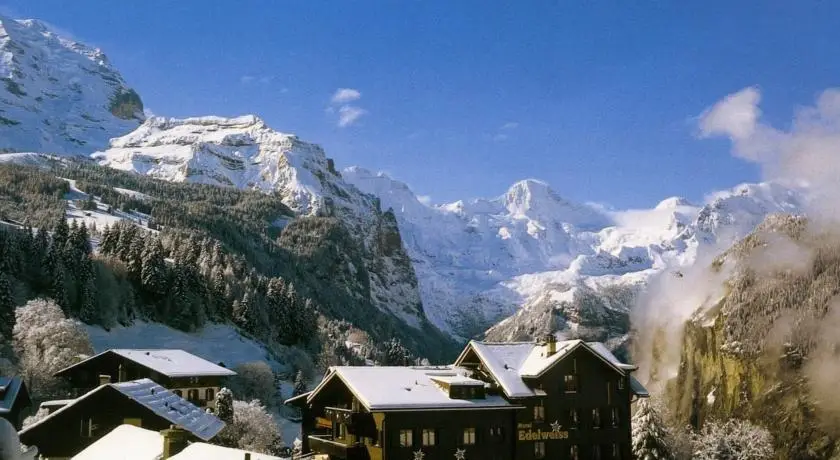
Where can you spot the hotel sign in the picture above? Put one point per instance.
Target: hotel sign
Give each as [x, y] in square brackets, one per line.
[527, 433]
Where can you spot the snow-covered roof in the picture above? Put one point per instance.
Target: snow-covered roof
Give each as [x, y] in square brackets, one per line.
[456, 380]
[405, 388]
[125, 442]
[169, 406]
[511, 363]
[172, 407]
[203, 451]
[637, 388]
[9, 391]
[171, 363]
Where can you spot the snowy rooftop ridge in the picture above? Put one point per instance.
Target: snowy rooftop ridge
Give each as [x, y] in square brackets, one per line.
[511, 363]
[383, 388]
[126, 442]
[171, 363]
[157, 399]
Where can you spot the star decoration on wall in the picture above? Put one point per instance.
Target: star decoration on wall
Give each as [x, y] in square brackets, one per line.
[555, 426]
[419, 455]
[460, 454]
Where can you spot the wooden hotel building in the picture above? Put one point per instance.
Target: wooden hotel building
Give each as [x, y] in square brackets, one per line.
[498, 401]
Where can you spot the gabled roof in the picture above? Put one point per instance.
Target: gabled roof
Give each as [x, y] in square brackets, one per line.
[511, 363]
[157, 399]
[125, 442]
[638, 389]
[10, 391]
[171, 363]
[390, 388]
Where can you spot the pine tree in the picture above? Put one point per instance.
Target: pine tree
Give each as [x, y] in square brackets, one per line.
[108, 241]
[87, 299]
[60, 234]
[300, 384]
[651, 439]
[58, 290]
[396, 354]
[134, 257]
[7, 307]
[224, 405]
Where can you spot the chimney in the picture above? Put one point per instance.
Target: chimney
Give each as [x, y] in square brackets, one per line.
[174, 441]
[104, 379]
[550, 345]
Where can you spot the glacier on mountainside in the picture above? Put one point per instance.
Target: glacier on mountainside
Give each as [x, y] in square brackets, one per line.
[535, 263]
[57, 95]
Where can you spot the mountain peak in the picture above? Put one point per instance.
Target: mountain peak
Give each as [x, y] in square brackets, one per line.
[673, 202]
[58, 95]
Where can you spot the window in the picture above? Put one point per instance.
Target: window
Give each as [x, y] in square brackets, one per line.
[496, 432]
[596, 418]
[539, 411]
[406, 438]
[620, 384]
[469, 436]
[178, 392]
[596, 452]
[342, 431]
[616, 454]
[570, 383]
[428, 437]
[573, 452]
[574, 365]
[609, 393]
[539, 449]
[614, 416]
[192, 395]
[209, 394]
[573, 418]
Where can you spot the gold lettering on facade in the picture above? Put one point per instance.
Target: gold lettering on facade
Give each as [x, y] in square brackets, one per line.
[540, 435]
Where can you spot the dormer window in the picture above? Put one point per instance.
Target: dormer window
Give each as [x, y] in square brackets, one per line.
[570, 383]
[466, 392]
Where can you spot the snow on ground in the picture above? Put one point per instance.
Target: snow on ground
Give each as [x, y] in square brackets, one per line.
[214, 342]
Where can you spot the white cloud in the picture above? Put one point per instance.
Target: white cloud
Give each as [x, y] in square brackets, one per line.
[345, 95]
[806, 153]
[425, 199]
[246, 79]
[510, 125]
[349, 114]
[735, 116]
[148, 112]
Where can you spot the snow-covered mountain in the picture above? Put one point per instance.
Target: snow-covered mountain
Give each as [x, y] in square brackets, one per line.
[57, 95]
[536, 263]
[244, 152]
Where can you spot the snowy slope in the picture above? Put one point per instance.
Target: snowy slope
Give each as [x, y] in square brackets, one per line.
[540, 264]
[57, 95]
[244, 152]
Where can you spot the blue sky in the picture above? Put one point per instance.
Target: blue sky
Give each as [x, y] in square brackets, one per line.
[460, 98]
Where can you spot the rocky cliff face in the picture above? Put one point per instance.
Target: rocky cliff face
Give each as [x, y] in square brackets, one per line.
[57, 95]
[244, 152]
[767, 350]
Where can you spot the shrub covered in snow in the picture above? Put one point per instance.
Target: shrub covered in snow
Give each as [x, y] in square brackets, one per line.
[252, 429]
[732, 440]
[45, 342]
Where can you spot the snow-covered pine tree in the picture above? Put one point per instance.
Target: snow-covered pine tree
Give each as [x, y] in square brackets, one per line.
[7, 307]
[395, 354]
[651, 439]
[153, 272]
[224, 405]
[134, 256]
[108, 241]
[88, 311]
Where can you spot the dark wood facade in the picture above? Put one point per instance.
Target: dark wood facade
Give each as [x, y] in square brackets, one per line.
[79, 425]
[580, 410]
[83, 377]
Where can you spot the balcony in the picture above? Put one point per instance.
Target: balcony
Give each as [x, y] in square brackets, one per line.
[335, 449]
[357, 423]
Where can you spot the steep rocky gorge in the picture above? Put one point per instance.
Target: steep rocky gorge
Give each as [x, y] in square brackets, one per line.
[768, 350]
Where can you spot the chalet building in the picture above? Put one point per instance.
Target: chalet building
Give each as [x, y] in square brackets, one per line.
[185, 374]
[499, 401]
[14, 400]
[141, 403]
